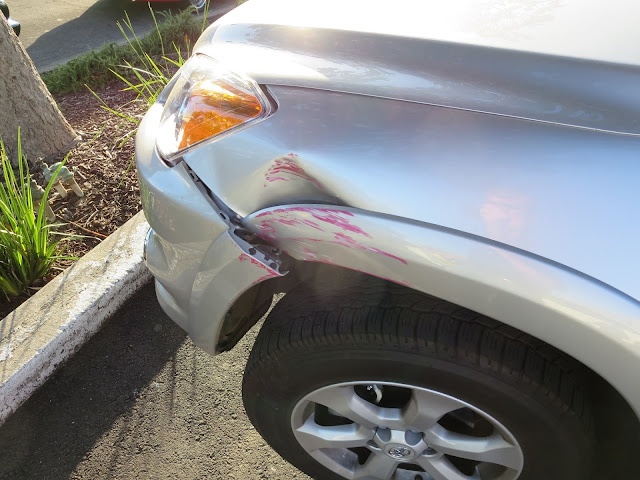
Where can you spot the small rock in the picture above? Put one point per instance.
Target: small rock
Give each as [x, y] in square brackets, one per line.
[157, 327]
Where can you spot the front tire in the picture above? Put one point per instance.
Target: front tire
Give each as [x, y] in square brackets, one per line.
[379, 382]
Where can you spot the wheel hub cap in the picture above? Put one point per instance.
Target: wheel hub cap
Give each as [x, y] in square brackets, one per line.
[399, 444]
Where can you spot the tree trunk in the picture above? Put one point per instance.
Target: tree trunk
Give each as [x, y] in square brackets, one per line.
[25, 102]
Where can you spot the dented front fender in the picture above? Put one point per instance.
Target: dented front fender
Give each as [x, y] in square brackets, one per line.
[589, 320]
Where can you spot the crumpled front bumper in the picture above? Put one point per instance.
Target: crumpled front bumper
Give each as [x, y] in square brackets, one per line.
[200, 264]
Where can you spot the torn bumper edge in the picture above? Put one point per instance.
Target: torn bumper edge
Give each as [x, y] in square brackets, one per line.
[230, 268]
[194, 248]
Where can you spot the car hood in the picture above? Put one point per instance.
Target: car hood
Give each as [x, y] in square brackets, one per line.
[530, 60]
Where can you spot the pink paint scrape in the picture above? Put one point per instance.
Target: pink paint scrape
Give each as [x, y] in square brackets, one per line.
[347, 241]
[243, 257]
[338, 218]
[286, 169]
[304, 209]
[267, 231]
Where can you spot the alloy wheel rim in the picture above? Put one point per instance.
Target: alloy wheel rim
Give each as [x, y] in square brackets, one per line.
[390, 431]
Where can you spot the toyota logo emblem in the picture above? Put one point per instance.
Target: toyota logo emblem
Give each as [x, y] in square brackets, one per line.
[399, 452]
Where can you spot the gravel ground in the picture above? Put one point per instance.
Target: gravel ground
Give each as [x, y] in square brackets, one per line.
[140, 401]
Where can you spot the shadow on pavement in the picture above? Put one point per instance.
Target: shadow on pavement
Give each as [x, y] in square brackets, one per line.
[95, 27]
[50, 434]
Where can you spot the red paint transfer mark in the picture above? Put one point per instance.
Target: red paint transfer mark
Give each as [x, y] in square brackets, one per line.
[290, 222]
[309, 254]
[386, 254]
[333, 217]
[293, 221]
[311, 224]
[337, 218]
[305, 209]
[243, 257]
[286, 169]
[267, 231]
[347, 241]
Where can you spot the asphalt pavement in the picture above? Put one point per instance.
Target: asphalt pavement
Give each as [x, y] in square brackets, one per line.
[140, 400]
[55, 31]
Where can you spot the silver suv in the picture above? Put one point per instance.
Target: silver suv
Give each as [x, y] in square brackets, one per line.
[447, 194]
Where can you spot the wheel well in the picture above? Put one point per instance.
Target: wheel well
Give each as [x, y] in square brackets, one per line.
[616, 425]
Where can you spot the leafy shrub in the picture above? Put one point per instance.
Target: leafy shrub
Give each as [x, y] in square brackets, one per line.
[27, 247]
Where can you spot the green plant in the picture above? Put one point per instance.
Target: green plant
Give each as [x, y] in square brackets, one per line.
[148, 74]
[148, 71]
[27, 246]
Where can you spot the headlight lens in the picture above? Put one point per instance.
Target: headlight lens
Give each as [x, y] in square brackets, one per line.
[207, 100]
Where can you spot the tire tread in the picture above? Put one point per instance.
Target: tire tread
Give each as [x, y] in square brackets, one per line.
[380, 314]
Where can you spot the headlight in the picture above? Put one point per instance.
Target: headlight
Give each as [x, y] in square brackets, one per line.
[206, 101]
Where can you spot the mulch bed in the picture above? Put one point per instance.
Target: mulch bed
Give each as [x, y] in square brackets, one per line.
[104, 169]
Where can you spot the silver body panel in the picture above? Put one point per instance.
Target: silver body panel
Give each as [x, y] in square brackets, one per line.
[494, 170]
[582, 29]
[430, 52]
[586, 319]
[557, 192]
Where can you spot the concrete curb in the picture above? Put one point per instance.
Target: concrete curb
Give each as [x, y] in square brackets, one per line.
[53, 324]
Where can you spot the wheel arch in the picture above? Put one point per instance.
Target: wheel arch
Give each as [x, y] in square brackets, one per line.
[589, 321]
[617, 428]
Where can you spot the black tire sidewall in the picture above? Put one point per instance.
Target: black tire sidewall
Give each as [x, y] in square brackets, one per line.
[551, 440]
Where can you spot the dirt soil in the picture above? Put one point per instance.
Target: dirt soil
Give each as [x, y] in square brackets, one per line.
[103, 162]
[141, 401]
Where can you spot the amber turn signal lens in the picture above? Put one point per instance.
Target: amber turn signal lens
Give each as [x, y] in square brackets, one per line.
[214, 107]
[203, 102]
